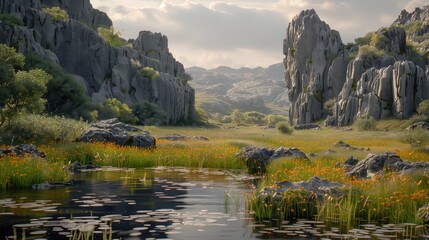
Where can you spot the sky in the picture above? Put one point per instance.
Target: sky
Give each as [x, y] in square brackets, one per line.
[240, 33]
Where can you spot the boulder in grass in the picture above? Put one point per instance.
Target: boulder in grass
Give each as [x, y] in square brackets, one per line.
[257, 158]
[22, 150]
[377, 164]
[315, 186]
[113, 131]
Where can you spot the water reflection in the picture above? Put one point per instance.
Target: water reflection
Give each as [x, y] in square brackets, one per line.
[142, 204]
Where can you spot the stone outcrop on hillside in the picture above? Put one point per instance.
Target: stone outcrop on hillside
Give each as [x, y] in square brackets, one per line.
[106, 71]
[319, 67]
[310, 48]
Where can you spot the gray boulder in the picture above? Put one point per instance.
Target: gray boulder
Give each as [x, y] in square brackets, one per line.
[315, 186]
[113, 131]
[307, 127]
[22, 150]
[258, 158]
[375, 164]
[173, 137]
[418, 125]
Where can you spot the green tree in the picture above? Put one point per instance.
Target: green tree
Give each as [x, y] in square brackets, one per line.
[254, 117]
[19, 90]
[148, 113]
[273, 119]
[113, 108]
[65, 95]
[237, 116]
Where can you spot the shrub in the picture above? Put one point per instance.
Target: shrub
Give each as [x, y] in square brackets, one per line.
[368, 52]
[284, 128]
[254, 117]
[148, 113]
[42, 128]
[150, 73]
[365, 40]
[328, 107]
[365, 123]
[273, 119]
[113, 108]
[201, 116]
[423, 108]
[112, 37]
[415, 137]
[237, 116]
[10, 20]
[57, 14]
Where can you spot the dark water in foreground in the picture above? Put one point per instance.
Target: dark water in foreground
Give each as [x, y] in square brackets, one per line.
[162, 203]
[143, 204]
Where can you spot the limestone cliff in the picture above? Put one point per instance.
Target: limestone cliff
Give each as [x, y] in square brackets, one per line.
[106, 71]
[310, 48]
[379, 76]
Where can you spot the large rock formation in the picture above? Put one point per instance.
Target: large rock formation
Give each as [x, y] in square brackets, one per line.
[106, 71]
[379, 78]
[310, 48]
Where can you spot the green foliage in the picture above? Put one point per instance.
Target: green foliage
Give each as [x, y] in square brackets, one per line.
[148, 113]
[57, 14]
[415, 137]
[21, 90]
[10, 20]
[201, 116]
[284, 128]
[113, 108]
[328, 107]
[186, 77]
[112, 37]
[45, 129]
[365, 123]
[368, 52]
[273, 119]
[254, 117]
[237, 116]
[65, 95]
[377, 40]
[150, 73]
[423, 108]
[412, 27]
[365, 40]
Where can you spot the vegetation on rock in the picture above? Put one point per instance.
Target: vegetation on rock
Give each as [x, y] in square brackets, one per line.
[57, 14]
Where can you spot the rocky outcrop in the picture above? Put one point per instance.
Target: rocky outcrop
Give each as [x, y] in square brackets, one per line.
[82, 11]
[310, 48]
[258, 158]
[307, 127]
[372, 84]
[106, 71]
[375, 164]
[418, 125]
[113, 131]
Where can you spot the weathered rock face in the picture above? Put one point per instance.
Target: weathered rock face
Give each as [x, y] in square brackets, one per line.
[258, 158]
[113, 131]
[107, 72]
[310, 48]
[368, 85]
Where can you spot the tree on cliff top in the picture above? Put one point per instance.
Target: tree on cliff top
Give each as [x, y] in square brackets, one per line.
[19, 90]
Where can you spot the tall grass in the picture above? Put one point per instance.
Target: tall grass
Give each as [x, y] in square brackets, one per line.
[23, 172]
[192, 153]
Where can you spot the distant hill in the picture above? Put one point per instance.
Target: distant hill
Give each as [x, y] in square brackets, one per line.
[223, 89]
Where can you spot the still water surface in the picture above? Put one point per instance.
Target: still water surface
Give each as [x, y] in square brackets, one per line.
[162, 203]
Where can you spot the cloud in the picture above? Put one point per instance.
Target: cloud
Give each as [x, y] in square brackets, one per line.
[216, 31]
[243, 33]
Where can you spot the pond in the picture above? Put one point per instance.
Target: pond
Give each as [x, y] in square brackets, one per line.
[160, 203]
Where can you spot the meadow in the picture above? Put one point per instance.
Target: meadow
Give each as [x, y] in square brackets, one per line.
[390, 198]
